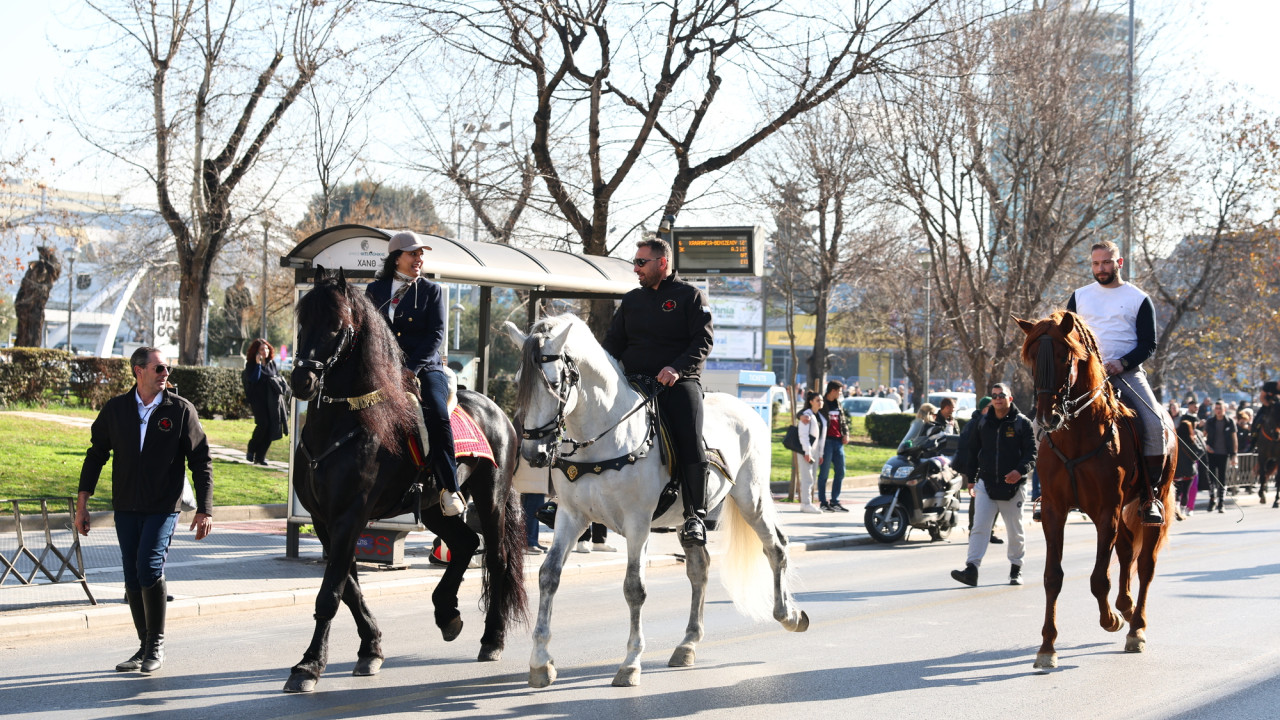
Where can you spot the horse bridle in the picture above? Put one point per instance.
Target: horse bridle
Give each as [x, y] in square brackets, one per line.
[346, 340]
[1062, 404]
[554, 429]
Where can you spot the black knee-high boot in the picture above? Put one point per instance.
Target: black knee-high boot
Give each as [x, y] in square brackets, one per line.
[154, 602]
[134, 598]
[1153, 514]
[693, 491]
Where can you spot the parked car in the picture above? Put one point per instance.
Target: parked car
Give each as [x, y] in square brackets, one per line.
[966, 402]
[863, 406]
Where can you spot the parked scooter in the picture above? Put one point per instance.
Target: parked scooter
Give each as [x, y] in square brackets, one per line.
[918, 489]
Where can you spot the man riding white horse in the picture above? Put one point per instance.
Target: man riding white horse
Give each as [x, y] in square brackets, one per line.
[663, 329]
[1124, 321]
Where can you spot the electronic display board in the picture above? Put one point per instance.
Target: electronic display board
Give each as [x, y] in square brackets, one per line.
[719, 250]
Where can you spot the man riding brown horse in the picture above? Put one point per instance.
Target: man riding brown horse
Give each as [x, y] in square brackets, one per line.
[1266, 438]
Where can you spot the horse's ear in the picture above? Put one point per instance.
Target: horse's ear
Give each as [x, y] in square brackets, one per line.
[342, 277]
[1068, 323]
[319, 276]
[514, 333]
[1026, 326]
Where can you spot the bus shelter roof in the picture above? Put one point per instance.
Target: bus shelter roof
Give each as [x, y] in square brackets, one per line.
[360, 250]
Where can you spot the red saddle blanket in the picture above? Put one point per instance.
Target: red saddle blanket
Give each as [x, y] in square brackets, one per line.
[468, 439]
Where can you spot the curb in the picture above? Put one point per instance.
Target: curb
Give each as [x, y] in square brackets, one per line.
[114, 615]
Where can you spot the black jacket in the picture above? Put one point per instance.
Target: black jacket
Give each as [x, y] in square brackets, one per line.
[150, 480]
[653, 329]
[999, 446]
[420, 321]
[1228, 433]
[265, 391]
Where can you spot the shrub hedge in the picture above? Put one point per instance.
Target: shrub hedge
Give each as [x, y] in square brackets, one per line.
[887, 430]
[213, 390]
[31, 374]
[96, 380]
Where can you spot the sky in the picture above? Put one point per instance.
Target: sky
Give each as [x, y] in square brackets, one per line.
[1232, 40]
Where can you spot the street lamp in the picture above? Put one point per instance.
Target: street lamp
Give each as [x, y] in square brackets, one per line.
[927, 264]
[262, 299]
[72, 252]
[477, 146]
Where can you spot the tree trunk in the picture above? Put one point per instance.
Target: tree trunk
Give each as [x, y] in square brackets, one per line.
[193, 297]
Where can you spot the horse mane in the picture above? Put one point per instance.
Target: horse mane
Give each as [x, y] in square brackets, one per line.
[379, 357]
[1081, 345]
[529, 365]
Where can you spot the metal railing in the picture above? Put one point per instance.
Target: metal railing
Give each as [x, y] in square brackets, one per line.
[39, 568]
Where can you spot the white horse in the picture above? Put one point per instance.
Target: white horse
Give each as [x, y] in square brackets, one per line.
[572, 391]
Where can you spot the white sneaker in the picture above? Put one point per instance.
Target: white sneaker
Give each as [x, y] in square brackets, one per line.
[583, 547]
[603, 547]
[451, 503]
[810, 508]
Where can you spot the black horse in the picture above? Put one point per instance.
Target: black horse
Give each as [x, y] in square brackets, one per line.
[353, 465]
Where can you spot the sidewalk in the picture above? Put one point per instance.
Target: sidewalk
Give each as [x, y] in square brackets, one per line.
[242, 566]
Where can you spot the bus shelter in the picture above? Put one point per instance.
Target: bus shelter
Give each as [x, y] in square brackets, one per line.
[474, 270]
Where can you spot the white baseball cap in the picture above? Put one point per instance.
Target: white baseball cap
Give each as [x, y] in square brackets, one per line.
[406, 241]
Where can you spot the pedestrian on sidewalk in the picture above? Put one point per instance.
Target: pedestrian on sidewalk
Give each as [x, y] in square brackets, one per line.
[146, 489]
[832, 448]
[1002, 451]
[813, 434]
[1220, 441]
[266, 392]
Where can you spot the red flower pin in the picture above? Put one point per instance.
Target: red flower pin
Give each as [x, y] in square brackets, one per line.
[669, 305]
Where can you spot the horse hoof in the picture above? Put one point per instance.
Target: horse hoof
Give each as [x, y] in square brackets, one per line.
[802, 623]
[490, 653]
[543, 676]
[1116, 624]
[1046, 661]
[451, 631]
[300, 683]
[627, 677]
[1135, 644]
[367, 666]
[682, 657]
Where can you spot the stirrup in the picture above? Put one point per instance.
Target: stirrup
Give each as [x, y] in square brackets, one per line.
[694, 532]
[451, 503]
[1153, 514]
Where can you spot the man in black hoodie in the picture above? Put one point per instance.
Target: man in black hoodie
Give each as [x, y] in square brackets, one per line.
[1002, 453]
[663, 329]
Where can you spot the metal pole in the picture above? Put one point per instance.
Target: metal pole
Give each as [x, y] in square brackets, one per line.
[1127, 241]
[475, 188]
[71, 292]
[928, 326]
[263, 298]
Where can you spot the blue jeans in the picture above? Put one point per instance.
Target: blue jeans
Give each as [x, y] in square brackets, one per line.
[144, 545]
[832, 455]
[435, 412]
[531, 502]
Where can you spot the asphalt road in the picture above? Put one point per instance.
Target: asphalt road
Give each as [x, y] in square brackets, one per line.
[892, 637]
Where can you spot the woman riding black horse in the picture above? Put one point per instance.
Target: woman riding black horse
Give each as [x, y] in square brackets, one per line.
[416, 310]
[353, 465]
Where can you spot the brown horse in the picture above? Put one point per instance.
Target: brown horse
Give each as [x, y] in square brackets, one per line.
[1090, 458]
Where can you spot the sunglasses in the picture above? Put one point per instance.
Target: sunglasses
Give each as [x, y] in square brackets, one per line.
[161, 369]
[998, 396]
[641, 262]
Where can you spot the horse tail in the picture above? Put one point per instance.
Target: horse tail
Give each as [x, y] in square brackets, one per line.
[503, 585]
[746, 574]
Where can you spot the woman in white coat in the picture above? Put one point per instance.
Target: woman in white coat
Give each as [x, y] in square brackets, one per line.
[813, 433]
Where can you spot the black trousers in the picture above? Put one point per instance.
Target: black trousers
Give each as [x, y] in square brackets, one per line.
[1216, 464]
[682, 412]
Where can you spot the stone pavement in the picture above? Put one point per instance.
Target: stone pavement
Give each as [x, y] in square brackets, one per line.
[242, 565]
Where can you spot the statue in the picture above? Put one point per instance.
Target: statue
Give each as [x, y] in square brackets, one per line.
[238, 303]
[33, 295]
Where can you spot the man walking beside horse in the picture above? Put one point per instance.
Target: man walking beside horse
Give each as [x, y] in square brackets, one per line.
[662, 329]
[1123, 320]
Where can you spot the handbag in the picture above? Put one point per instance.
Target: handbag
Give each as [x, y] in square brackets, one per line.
[188, 501]
[791, 439]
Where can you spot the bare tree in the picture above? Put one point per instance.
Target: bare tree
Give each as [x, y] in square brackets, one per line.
[1005, 148]
[1217, 197]
[624, 70]
[218, 79]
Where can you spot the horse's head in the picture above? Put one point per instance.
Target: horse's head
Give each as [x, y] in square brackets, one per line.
[545, 393]
[1057, 348]
[326, 332]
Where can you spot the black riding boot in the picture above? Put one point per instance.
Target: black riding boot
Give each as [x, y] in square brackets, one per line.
[1153, 514]
[134, 598]
[693, 490]
[154, 602]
